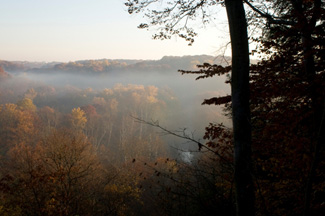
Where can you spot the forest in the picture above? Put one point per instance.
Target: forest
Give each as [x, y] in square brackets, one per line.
[71, 150]
[130, 137]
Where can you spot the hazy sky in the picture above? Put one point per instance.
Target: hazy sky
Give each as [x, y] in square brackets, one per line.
[68, 30]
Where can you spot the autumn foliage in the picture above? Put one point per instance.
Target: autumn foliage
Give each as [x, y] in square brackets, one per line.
[96, 152]
[75, 162]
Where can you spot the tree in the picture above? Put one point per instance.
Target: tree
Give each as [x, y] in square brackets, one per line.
[30, 93]
[55, 177]
[72, 164]
[16, 126]
[26, 104]
[170, 17]
[287, 106]
[78, 119]
[49, 118]
[293, 40]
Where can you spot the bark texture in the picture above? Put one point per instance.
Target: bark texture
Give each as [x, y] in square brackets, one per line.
[240, 107]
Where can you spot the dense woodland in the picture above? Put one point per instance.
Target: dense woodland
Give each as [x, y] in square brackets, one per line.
[101, 152]
[72, 151]
[72, 154]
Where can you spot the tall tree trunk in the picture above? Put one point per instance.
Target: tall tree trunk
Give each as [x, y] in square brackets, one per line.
[307, 29]
[245, 196]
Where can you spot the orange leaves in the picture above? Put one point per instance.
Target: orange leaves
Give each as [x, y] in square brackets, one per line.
[16, 126]
[54, 176]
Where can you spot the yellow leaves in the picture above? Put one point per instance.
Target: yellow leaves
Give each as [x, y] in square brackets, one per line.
[152, 93]
[78, 119]
[30, 93]
[60, 168]
[108, 91]
[136, 97]
[16, 125]
[152, 99]
[48, 116]
[166, 165]
[113, 105]
[99, 100]
[119, 189]
[10, 108]
[26, 104]
[126, 88]
[121, 193]
[66, 153]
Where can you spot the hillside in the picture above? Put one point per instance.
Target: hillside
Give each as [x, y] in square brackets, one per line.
[103, 66]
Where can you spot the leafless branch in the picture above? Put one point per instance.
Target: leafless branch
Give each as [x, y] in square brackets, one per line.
[271, 19]
[181, 135]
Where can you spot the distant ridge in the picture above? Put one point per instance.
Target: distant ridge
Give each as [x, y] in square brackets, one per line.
[103, 66]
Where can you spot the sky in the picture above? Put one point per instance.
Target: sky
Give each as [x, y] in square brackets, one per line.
[70, 30]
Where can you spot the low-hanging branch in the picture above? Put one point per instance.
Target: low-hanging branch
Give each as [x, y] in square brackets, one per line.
[182, 136]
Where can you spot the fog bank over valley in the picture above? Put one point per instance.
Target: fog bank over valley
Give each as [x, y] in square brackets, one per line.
[64, 86]
[73, 134]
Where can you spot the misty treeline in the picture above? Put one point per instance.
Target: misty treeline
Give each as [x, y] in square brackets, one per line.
[68, 170]
[72, 151]
[106, 66]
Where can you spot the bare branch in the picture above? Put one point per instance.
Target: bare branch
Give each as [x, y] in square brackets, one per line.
[270, 19]
[174, 18]
[181, 135]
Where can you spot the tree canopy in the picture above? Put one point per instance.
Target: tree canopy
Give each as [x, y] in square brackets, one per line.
[287, 82]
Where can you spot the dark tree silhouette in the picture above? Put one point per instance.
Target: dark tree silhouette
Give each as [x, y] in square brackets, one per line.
[174, 20]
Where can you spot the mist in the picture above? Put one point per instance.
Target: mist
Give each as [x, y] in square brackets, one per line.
[104, 114]
[189, 92]
[185, 94]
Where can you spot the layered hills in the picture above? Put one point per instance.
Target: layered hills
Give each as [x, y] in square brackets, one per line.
[104, 66]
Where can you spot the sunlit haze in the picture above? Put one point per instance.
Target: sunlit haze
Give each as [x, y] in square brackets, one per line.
[38, 30]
